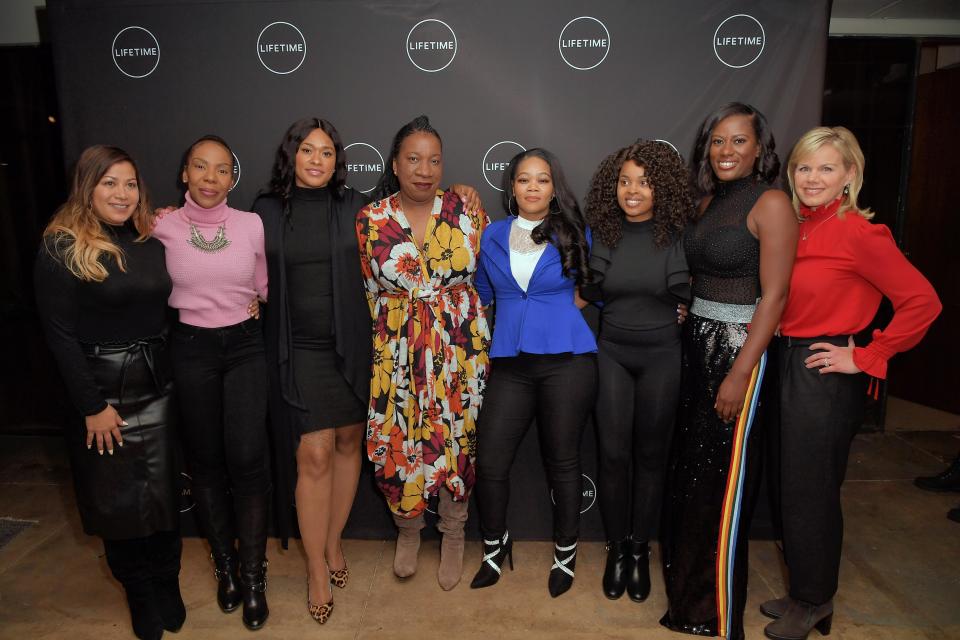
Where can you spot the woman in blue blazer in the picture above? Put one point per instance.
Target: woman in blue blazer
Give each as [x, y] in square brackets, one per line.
[544, 355]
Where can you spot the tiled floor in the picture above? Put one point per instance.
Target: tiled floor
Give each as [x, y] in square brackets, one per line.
[900, 577]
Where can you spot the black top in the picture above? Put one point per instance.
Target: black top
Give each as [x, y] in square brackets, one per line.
[723, 255]
[306, 254]
[351, 328]
[639, 283]
[127, 306]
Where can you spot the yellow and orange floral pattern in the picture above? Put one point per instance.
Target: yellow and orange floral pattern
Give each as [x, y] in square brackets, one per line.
[430, 341]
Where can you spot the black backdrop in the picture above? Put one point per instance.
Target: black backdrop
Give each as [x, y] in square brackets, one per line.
[580, 78]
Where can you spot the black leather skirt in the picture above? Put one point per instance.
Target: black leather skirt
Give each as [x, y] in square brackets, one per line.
[131, 493]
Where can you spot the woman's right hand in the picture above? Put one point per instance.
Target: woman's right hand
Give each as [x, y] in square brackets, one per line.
[104, 427]
[159, 212]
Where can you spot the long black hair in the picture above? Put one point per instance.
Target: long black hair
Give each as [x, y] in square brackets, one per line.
[388, 183]
[767, 166]
[563, 226]
[283, 177]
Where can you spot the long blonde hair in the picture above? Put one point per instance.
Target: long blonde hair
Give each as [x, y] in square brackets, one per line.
[76, 233]
[849, 149]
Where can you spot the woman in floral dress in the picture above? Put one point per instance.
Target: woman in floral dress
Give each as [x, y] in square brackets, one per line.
[418, 252]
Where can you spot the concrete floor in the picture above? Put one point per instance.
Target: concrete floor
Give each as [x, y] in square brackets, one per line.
[900, 577]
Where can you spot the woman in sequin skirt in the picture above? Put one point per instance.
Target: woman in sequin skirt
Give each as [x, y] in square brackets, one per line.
[740, 254]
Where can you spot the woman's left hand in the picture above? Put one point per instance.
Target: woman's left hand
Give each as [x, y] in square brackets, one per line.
[253, 309]
[730, 396]
[831, 358]
[682, 312]
[470, 197]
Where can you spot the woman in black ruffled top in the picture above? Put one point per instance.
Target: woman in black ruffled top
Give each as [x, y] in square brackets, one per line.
[740, 254]
[101, 284]
[639, 203]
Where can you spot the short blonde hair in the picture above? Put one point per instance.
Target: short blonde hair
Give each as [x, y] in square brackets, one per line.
[846, 144]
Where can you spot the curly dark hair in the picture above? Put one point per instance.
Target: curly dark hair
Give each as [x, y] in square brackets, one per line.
[673, 202]
[766, 168]
[564, 225]
[283, 175]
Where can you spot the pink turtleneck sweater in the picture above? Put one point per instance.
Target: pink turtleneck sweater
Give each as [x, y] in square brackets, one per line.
[213, 289]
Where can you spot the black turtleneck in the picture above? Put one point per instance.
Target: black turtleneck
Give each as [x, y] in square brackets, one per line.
[306, 251]
[127, 306]
[639, 283]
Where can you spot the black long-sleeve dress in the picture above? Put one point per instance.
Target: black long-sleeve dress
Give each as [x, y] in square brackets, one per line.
[317, 331]
[108, 339]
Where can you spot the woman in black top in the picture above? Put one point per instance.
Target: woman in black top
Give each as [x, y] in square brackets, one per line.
[318, 345]
[102, 285]
[638, 205]
[740, 251]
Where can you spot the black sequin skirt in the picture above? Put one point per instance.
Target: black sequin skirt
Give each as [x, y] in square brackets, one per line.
[132, 493]
[711, 487]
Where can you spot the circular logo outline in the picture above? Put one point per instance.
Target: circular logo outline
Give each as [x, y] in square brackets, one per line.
[763, 46]
[669, 144]
[237, 169]
[193, 502]
[605, 53]
[377, 151]
[113, 48]
[593, 501]
[456, 45]
[483, 163]
[302, 37]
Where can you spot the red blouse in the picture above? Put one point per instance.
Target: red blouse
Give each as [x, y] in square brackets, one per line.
[844, 267]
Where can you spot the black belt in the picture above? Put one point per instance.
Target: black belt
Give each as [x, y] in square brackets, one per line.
[142, 346]
[837, 341]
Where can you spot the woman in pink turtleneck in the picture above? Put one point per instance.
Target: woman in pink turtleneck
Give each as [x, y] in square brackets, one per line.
[215, 257]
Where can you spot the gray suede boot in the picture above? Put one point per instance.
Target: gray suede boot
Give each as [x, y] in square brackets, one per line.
[453, 515]
[408, 545]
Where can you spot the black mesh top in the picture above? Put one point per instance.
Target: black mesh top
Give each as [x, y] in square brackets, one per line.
[723, 255]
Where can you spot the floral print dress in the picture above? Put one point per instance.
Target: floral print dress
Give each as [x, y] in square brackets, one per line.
[430, 342]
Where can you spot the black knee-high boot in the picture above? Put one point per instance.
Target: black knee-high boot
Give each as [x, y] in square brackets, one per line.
[165, 548]
[213, 510]
[130, 565]
[252, 514]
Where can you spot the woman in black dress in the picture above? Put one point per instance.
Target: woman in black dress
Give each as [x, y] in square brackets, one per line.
[740, 252]
[639, 203]
[102, 285]
[318, 346]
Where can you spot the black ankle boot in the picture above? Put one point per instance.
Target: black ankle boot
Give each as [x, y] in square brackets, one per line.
[252, 513]
[615, 572]
[638, 571]
[213, 510]
[949, 480]
[495, 553]
[226, 569]
[799, 619]
[564, 564]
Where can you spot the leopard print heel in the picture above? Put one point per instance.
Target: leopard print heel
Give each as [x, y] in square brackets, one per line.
[339, 577]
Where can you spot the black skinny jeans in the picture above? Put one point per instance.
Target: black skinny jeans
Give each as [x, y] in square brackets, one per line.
[221, 381]
[637, 398]
[820, 414]
[556, 389]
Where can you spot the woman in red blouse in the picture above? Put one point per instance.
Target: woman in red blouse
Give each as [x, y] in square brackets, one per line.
[845, 265]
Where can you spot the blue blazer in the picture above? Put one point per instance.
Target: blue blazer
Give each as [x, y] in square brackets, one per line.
[544, 319]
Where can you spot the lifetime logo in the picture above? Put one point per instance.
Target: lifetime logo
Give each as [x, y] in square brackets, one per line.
[739, 40]
[588, 492]
[135, 52]
[497, 159]
[281, 47]
[431, 45]
[236, 172]
[364, 166]
[584, 43]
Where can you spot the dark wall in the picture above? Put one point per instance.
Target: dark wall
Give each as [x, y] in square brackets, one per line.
[581, 78]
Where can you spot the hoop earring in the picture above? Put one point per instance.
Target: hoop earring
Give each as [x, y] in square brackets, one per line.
[510, 206]
[846, 189]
